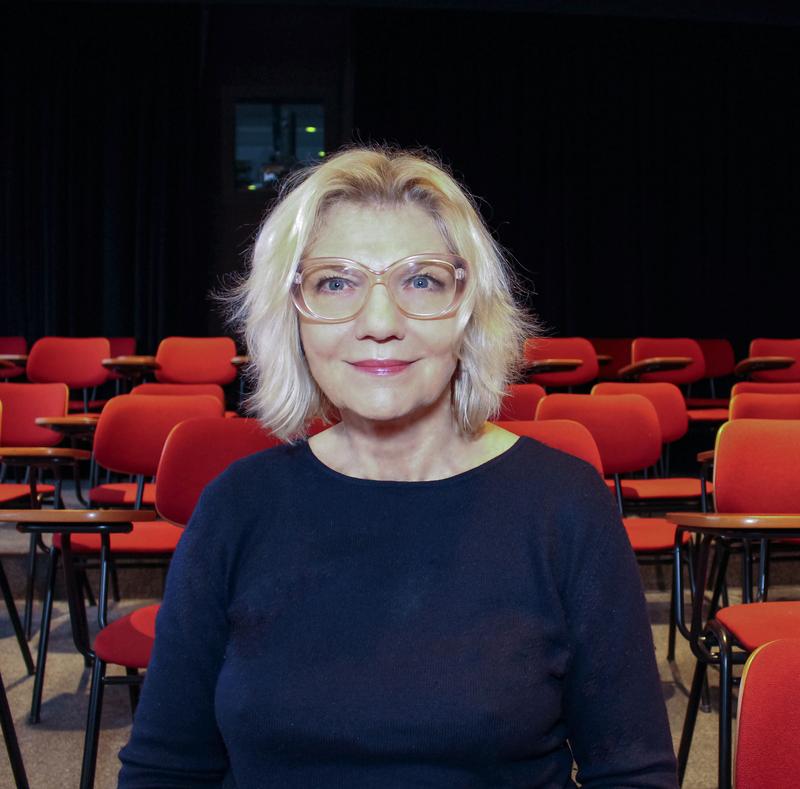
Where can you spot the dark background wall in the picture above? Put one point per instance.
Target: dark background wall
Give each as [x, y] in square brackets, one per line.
[642, 171]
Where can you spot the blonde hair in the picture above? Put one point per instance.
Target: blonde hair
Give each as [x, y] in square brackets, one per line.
[493, 327]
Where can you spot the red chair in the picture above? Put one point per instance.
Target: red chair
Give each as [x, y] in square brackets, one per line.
[673, 420]
[768, 721]
[120, 346]
[16, 346]
[196, 451]
[563, 434]
[757, 499]
[752, 405]
[542, 348]
[520, 402]
[720, 363]
[129, 439]
[626, 430]
[74, 361]
[196, 360]
[769, 347]
[21, 404]
[619, 351]
[658, 347]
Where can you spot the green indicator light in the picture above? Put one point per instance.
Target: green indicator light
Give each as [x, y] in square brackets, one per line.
[311, 129]
[321, 154]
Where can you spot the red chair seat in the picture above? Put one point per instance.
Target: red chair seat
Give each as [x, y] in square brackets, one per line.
[708, 415]
[121, 493]
[669, 488]
[651, 535]
[128, 641]
[9, 491]
[146, 537]
[707, 402]
[754, 624]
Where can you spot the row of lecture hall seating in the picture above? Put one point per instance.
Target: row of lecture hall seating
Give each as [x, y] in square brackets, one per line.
[160, 443]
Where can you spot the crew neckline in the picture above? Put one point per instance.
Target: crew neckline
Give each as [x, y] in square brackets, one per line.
[505, 455]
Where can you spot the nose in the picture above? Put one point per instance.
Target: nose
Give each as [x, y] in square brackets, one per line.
[380, 319]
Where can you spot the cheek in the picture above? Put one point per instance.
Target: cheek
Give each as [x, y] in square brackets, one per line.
[319, 342]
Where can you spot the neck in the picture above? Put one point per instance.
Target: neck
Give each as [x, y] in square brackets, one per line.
[416, 448]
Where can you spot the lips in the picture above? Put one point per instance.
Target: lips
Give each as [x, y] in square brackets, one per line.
[381, 366]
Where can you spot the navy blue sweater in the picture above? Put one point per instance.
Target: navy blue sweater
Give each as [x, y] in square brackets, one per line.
[477, 631]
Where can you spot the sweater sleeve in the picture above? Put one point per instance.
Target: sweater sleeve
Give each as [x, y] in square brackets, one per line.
[616, 717]
[175, 741]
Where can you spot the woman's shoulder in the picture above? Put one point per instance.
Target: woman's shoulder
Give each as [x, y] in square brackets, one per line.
[543, 464]
[249, 478]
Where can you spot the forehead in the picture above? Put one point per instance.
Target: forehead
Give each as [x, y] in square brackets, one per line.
[376, 235]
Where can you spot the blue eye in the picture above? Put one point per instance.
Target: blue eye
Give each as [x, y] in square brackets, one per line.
[421, 282]
[334, 283]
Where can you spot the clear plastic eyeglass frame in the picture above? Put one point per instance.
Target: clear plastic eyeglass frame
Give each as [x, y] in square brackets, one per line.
[390, 277]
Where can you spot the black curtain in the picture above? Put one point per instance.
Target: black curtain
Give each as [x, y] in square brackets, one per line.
[644, 174]
[101, 223]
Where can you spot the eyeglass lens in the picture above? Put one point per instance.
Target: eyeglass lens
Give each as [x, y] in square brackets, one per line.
[418, 288]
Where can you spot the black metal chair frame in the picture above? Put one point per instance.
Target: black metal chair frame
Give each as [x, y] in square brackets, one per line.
[80, 629]
[12, 744]
[709, 641]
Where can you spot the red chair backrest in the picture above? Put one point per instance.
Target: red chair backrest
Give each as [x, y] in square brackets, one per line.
[22, 403]
[719, 357]
[666, 398]
[618, 348]
[563, 348]
[768, 722]
[765, 388]
[751, 405]
[756, 465]
[132, 429]
[624, 427]
[16, 345]
[196, 360]
[520, 402]
[215, 390]
[570, 437]
[770, 347]
[74, 361]
[197, 451]
[122, 346]
[649, 347]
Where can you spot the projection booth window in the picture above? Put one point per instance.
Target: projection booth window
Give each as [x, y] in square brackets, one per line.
[273, 138]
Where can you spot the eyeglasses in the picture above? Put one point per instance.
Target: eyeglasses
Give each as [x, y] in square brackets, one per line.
[424, 286]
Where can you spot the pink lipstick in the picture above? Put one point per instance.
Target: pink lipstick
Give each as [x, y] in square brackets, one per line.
[381, 366]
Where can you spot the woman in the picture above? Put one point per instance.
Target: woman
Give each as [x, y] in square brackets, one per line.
[411, 597]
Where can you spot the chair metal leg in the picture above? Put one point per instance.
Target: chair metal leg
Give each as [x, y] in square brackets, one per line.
[93, 725]
[725, 708]
[689, 721]
[672, 624]
[10, 737]
[27, 616]
[44, 637]
[134, 688]
[87, 588]
[14, 617]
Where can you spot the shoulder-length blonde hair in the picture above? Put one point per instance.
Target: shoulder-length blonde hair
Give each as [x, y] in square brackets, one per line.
[493, 327]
